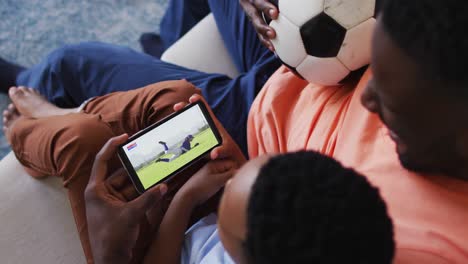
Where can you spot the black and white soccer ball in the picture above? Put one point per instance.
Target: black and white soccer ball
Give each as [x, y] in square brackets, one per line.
[323, 41]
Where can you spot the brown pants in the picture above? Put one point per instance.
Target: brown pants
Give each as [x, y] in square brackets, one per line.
[65, 146]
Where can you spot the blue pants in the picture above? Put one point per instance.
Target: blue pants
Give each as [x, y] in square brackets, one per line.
[74, 73]
[180, 17]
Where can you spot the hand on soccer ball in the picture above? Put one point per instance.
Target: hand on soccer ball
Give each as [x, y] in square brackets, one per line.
[254, 9]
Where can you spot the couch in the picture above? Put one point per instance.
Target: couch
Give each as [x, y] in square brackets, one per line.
[37, 225]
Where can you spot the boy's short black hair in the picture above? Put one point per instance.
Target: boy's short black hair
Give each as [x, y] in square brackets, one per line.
[434, 34]
[307, 208]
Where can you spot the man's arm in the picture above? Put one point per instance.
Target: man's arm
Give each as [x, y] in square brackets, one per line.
[168, 241]
[113, 223]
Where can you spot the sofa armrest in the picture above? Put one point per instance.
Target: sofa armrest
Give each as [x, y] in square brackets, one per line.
[202, 48]
[37, 224]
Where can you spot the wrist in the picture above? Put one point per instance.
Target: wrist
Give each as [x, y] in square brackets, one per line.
[108, 259]
[185, 199]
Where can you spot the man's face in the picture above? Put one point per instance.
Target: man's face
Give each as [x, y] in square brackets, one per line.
[422, 123]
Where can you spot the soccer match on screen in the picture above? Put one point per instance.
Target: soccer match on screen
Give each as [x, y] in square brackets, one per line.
[169, 147]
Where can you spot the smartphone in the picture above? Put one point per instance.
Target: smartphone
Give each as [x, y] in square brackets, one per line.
[164, 149]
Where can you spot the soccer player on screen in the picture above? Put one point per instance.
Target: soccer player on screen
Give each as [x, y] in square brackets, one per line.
[177, 151]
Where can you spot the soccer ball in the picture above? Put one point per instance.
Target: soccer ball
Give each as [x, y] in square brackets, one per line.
[323, 41]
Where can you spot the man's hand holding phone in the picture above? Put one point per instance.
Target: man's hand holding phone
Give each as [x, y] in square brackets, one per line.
[229, 149]
[206, 182]
[113, 223]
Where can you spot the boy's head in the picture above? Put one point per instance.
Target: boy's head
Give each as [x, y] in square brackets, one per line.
[303, 208]
[420, 85]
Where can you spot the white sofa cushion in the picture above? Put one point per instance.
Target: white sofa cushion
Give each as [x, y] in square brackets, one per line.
[36, 218]
[202, 49]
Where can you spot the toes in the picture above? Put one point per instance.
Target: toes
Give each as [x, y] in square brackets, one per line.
[6, 116]
[9, 113]
[22, 90]
[12, 91]
[6, 113]
[32, 90]
[12, 108]
[16, 93]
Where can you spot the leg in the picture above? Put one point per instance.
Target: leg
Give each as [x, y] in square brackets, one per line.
[164, 146]
[167, 160]
[173, 157]
[31, 104]
[140, 108]
[180, 17]
[69, 143]
[75, 73]
[62, 137]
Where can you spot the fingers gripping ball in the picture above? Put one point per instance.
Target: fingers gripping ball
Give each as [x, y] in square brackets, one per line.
[323, 41]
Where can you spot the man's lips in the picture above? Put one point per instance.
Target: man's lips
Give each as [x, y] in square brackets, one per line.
[401, 146]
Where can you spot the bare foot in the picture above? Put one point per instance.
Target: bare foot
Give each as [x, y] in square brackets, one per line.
[10, 117]
[30, 103]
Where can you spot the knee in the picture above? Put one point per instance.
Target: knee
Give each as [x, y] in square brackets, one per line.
[175, 92]
[182, 92]
[161, 101]
[78, 142]
[68, 54]
[62, 54]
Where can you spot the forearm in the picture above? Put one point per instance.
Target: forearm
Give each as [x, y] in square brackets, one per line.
[168, 241]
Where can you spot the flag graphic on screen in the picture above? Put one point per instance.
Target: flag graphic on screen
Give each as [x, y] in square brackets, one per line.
[131, 146]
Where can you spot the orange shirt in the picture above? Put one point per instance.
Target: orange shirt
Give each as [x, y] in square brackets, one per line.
[430, 213]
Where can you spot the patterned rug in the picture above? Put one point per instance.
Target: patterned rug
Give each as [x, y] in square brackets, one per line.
[30, 29]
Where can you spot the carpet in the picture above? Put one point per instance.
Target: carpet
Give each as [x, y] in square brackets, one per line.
[30, 29]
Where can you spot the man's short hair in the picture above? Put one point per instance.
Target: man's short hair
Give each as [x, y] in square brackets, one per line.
[307, 208]
[435, 35]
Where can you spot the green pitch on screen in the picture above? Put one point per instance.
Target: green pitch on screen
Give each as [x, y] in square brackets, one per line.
[155, 172]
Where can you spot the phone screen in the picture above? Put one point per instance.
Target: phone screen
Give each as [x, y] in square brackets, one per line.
[170, 146]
